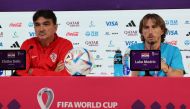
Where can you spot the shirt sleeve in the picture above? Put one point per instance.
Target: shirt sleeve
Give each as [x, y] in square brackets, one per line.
[25, 47]
[177, 62]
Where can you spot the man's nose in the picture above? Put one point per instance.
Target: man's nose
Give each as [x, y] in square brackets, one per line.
[41, 28]
[150, 30]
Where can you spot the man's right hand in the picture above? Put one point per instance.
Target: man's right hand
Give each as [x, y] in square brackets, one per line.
[60, 66]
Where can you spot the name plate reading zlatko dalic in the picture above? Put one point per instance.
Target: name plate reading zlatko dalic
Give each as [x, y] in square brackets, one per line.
[12, 59]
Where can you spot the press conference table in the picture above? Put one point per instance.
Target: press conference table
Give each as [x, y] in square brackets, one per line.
[94, 92]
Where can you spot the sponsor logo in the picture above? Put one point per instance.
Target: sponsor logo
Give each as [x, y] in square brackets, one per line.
[187, 22]
[30, 24]
[111, 23]
[111, 33]
[98, 57]
[187, 57]
[1, 34]
[91, 33]
[76, 43]
[128, 43]
[174, 42]
[131, 24]
[187, 42]
[91, 43]
[73, 23]
[32, 34]
[131, 33]
[15, 35]
[111, 44]
[188, 34]
[18, 24]
[11, 55]
[145, 55]
[15, 45]
[0, 26]
[171, 22]
[91, 24]
[97, 66]
[72, 33]
[172, 32]
[110, 51]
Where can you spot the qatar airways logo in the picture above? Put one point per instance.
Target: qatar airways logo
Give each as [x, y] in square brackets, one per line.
[73, 23]
[174, 42]
[91, 43]
[131, 33]
[72, 33]
[17, 24]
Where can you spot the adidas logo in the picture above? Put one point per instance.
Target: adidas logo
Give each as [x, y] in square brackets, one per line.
[188, 34]
[131, 24]
[15, 45]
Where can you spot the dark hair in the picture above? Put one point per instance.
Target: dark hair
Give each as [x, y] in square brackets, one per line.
[158, 22]
[48, 14]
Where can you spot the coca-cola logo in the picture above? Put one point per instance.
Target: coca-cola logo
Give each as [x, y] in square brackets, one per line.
[17, 24]
[172, 42]
[72, 33]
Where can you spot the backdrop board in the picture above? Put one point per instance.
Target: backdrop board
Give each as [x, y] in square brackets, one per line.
[101, 32]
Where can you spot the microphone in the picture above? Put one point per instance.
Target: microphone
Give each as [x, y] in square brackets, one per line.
[30, 47]
[151, 44]
[147, 72]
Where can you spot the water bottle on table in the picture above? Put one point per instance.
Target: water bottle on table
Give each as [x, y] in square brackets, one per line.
[118, 65]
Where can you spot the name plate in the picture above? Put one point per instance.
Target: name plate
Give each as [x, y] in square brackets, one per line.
[12, 59]
[145, 60]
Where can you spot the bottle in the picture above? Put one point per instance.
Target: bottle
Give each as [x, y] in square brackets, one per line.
[118, 65]
[126, 68]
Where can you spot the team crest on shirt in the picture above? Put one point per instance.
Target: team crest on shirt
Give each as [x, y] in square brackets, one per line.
[53, 57]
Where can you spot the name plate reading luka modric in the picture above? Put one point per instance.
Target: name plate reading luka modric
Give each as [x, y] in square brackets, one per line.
[12, 59]
[145, 60]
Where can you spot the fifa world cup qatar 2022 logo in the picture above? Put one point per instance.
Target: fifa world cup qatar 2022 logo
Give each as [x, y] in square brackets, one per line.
[50, 98]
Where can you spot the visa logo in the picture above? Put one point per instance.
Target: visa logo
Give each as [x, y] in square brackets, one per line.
[128, 43]
[111, 23]
[172, 32]
[32, 33]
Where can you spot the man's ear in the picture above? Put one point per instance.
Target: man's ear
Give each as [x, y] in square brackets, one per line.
[56, 26]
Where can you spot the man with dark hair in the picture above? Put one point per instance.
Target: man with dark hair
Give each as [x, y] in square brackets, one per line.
[152, 29]
[46, 52]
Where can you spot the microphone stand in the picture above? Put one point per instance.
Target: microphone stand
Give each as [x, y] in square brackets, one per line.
[147, 72]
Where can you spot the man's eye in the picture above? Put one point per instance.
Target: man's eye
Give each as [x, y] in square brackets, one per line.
[36, 24]
[46, 24]
[146, 27]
